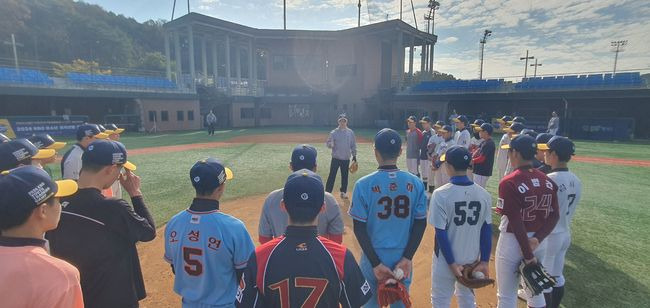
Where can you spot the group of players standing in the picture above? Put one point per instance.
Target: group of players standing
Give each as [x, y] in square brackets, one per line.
[217, 265]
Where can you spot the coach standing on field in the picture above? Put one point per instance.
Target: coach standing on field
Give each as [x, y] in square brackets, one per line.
[553, 124]
[98, 235]
[343, 145]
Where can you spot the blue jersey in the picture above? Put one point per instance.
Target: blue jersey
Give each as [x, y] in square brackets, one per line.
[206, 247]
[389, 200]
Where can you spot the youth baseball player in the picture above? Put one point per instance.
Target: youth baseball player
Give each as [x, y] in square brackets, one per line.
[528, 205]
[513, 130]
[448, 141]
[274, 219]
[475, 141]
[483, 157]
[502, 154]
[389, 211]
[302, 269]
[432, 147]
[460, 212]
[71, 161]
[413, 141]
[207, 249]
[462, 136]
[542, 139]
[4, 138]
[21, 152]
[29, 276]
[425, 163]
[557, 154]
[113, 133]
[45, 141]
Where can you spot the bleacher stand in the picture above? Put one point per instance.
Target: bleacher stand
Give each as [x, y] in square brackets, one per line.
[479, 85]
[12, 76]
[120, 81]
[620, 80]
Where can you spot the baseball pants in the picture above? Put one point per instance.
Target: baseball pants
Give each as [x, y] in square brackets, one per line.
[390, 258]
[557, 245]
[425, 171]
[344, 165]
[553, 131]
[444, 285]
[442, 177]
[481, 180]
[211, 129]
[412, 165]
[508, 257]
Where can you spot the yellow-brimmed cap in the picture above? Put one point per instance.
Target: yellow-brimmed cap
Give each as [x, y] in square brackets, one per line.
[505, 146]
[443, 157]
[543, 146]
[101, 136]
[229, 174]
[56, 146]
[129, 165]
[477, 128]
[108, 132]
[119, 130]
[44, 154]
[66, 188]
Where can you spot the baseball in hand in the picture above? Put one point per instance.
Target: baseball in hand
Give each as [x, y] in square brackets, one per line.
[398, 273]
[478, 275]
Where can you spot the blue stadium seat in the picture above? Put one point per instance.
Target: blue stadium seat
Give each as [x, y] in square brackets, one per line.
[120, 81]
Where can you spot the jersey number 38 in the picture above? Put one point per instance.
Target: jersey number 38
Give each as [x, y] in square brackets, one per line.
[400, 207]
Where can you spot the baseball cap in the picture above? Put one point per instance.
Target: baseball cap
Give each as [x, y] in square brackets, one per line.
[17, 150]
[518, 119]
[560, 145]
[445, 129]
[485, 127]
[426, 119]
[28, 187]
[514, 128]
[461, 118]
[457, 156]
[89, 130]
[343, 117]
[412, 119]
[505, 119]
[543, 138]
[209, 173]
[439, 124]
[4, 138]
[523, 143]
[303, 157]
[388, 141]
[304, 192]
[107, 153]
[529, 132]
[112, 127]
[45, 141]
[477, 123]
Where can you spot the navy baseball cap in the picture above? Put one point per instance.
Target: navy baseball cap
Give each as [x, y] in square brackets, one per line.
[4, 138]
[478, 123]
[112, 127]
[445, 129]
[514, 128]
[17, 150]
[543, 138]
[461, 118]
[487, 127]
[304, 191]
[523, 144]
[518, 119]
[107, 153]
[529, 132]
[209, 173]
[89, 130]
[28, 187]
[45, 141]
[303, 157]
[412, 119]
[388, 141]
[426, 119]
[439, 124]
[560, 145]
[457, 156]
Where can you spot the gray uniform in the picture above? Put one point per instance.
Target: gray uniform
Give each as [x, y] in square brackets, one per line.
[274, 220]
[343, 143]
[413, 144]
[71, 163]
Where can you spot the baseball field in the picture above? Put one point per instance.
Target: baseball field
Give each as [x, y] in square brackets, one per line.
[606, 265]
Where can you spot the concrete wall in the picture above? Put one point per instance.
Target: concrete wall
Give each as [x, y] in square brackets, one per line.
[280, 114]
[171, 107]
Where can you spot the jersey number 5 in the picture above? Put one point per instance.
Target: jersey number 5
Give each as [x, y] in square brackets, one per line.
[461, 217]
[318, 286]
[402, 205]
[193, 267]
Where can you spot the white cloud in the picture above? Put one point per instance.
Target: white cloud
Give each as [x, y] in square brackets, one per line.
[449, 40]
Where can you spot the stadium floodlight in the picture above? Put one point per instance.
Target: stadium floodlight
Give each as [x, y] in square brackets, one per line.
[482, 42]
[526, 65]
[617, 46]
[536, 65]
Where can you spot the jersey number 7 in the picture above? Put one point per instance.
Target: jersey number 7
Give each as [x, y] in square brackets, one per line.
[318, 286]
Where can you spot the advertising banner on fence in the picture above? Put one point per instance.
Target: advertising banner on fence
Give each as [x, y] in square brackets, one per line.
[54, 125]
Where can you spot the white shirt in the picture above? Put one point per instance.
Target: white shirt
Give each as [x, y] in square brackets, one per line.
[71, 166]
[461, 210]
[568, 196]
[462, 138]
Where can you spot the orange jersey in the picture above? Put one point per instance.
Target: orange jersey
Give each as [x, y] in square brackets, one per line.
[29, 277]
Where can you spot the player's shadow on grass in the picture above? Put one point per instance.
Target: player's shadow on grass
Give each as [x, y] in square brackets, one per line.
[591, 282]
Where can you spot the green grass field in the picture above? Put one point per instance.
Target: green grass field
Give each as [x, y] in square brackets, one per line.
[606, 265]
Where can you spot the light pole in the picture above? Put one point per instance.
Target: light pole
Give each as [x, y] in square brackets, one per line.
[617, 46]
[536, 65]
[526, 65]
[13, 46]
[359, 16]
[430, 18]
[482, 42]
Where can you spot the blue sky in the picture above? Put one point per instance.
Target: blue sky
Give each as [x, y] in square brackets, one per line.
[565, 35]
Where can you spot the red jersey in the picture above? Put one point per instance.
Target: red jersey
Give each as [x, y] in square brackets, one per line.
[528, 203]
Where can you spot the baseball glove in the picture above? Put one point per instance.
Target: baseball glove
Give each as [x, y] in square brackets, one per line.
[354, 166]
[389, 293]
[535, 278]
[468, 279]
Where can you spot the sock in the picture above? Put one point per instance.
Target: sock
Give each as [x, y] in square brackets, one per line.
[431, 188]
[425, 183]
[548, 297]
[558, 293]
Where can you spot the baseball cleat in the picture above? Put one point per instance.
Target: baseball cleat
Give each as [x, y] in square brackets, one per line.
[344, 195]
